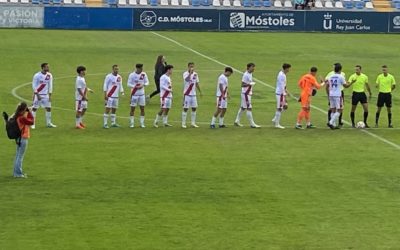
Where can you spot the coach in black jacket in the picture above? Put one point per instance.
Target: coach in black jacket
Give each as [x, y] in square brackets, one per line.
[159, 70]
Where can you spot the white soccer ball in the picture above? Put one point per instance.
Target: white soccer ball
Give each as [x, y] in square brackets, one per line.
[360, 124]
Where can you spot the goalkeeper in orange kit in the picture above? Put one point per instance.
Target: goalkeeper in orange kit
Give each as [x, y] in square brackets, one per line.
[308, 85]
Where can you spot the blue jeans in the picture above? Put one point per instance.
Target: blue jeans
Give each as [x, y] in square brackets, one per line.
[19, 157]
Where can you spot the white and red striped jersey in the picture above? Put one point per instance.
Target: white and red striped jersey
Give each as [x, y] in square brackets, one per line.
[222, 80]
[113, 85]
[136, 80]
[42, 84]
[80, 84]
[190, 82]
[247, 78]
[281, 83]
[165, 87]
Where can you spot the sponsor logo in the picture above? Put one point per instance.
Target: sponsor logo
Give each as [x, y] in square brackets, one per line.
[21, 16]
[396, 20]
[344, 24]
[237, 20]
[266, 20]
[327, 24]
[148, 19]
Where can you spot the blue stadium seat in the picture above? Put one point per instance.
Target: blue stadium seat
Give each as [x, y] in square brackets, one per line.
[56, 1]
[153, 2]
[348, 4]
[398, 6]
[267, 3]
[195, 3]
[205, 2]
[112, 2]
[257, 3]
[35, 1]
[247, 3]
[46, 2]
[359, 5]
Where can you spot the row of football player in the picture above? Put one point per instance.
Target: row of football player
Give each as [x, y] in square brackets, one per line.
[335, 82]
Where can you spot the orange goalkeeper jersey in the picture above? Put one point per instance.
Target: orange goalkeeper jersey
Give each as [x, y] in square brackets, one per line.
[307, 82]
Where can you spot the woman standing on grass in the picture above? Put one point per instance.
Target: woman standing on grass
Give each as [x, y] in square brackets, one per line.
[159, 70]
[24, 119]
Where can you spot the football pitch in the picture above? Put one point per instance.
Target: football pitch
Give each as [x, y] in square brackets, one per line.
[174, 188]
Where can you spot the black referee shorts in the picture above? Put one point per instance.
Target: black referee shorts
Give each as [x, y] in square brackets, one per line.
[384, 99]
[359, 97]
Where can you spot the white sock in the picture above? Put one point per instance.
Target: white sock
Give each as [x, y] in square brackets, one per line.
[193, 117]
[250, 117]
[239, 115]
[213, 120]
[34, 117]
[334, 117]
[132, 120]
[77, 121]
[113, 118]
[277, 117]
[158, 117]
[221, 121]
[48, 117]
[105, 119]
[165, 119]
[184, 115]
[141, 120]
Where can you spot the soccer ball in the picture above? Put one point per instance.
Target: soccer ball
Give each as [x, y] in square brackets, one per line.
[360, 124]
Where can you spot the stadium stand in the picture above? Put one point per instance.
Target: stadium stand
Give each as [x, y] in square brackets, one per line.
[226, 3]
[247, 3]
[353, 5]
[195, 3]
[257, 3]
[216, 3]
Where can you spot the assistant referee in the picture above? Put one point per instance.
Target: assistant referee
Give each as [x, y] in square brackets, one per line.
[386, 84]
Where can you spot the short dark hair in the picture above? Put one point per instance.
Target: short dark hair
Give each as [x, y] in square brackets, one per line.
[139, 65]
[358, 66]
[43, 65]
[286, 66]
[168, 67]
[115, 65]
[190, 63]
[250, 65]
[79, 69]
[338, 68]
[384, 66]
[228, 69]
[313, 69]
[337, 64]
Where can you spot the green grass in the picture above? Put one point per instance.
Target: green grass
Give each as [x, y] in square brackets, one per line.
[170, 188]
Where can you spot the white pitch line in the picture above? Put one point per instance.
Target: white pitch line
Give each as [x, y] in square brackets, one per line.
[397, 146]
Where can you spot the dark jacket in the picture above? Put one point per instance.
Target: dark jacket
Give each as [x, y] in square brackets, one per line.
[159, 70]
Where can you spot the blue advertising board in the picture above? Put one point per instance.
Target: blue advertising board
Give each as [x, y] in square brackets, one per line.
[394, 22]
[346, 21]
[261, 20]
[201, 19]
[176, 19]
[88, 18]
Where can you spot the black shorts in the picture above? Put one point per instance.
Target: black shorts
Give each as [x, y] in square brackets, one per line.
[359, 97]
[384, 99]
